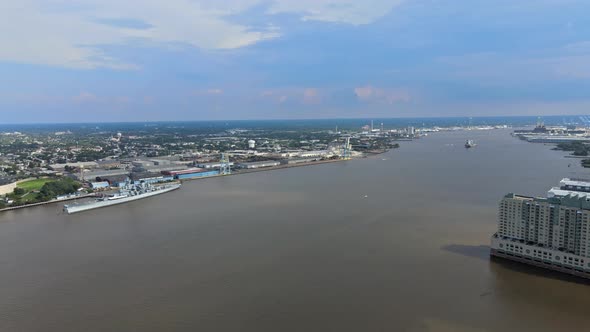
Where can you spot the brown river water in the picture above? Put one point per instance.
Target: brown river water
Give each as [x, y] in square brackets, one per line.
[394, 242]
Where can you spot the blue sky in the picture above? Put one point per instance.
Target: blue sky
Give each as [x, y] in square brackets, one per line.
[110, 60]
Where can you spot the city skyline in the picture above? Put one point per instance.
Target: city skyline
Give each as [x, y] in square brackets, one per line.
[201, 60]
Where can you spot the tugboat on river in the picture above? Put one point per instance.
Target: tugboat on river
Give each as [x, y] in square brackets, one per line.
[470, 144]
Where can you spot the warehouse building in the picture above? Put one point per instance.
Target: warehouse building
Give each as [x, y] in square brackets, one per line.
[81, 164]
[259, 164]
[191, 173]
[294, 161]
[215, 165]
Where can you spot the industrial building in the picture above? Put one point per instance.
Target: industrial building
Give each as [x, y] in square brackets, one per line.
[259, 164]
[549, 232]
[214, 165]
[191, 173]
[109, 164]
[99, 185]
[157, 165]
[91, 175]
[156, 179]
[142, 163]
[81, 164]
[294, 161]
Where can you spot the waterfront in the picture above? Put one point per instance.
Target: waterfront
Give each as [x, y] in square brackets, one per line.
[299, 249]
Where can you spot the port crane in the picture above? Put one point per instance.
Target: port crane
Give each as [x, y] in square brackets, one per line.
[346, 148]
[225, 168]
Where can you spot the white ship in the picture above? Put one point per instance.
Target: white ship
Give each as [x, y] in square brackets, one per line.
[470, 143]
[129, 192]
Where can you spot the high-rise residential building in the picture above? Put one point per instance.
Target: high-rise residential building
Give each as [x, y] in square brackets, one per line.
[550, 232]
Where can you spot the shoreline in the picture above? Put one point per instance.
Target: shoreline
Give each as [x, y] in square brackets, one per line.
[56, 200]
[238, 172]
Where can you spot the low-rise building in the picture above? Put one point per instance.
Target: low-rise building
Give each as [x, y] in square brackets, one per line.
[109, 163]
[214, 165]
[259, 164]
[80, 164]
[99, 185]
[293, 161]
[91, 175]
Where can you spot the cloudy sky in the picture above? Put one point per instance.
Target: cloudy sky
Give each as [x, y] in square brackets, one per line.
[112, 60]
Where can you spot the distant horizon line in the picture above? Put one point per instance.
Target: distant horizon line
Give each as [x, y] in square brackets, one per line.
[293, 119]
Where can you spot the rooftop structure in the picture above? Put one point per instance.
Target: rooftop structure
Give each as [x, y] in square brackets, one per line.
[184, 171]
[259, 164]
[575, 184]
[91, 175]
[81, 164]
[215, 165]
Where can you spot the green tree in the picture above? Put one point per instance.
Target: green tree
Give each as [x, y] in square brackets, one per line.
[56, 188]
[19, 191]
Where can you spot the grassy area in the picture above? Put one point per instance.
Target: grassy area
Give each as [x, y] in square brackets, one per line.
[42, 190]
[32, 185]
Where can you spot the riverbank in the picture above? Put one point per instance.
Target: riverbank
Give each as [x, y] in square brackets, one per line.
[57, 200]
[272, 168]
[235, 172]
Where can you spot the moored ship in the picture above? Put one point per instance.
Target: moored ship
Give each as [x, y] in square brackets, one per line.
[127, 193]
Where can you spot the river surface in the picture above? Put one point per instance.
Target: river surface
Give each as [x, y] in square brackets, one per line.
[395, 242]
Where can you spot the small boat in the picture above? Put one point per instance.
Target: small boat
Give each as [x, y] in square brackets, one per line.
[470, 143]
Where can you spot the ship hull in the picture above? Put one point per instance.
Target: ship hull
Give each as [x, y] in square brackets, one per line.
[96, 205]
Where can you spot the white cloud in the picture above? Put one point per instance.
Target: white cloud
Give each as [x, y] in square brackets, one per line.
[85, 97]
[208, 92]
[566, 62]
[306, 96]
[311, 96]
[389, 96]
[70, 33]
[341, 11]
[214, 92]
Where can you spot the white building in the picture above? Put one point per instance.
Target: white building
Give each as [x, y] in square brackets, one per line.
[259, 164]
[214, 165]
[550, 232]
[251, 144]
